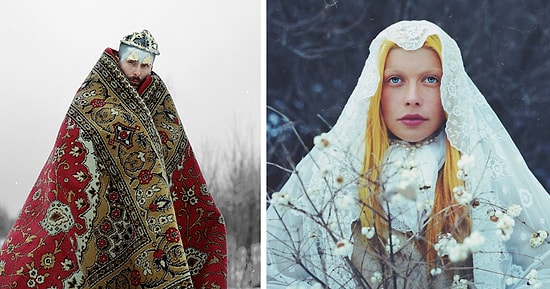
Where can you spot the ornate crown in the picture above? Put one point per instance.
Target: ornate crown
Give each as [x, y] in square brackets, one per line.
[142, 40]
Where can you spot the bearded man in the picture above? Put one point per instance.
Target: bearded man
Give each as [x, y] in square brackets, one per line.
[121, 201]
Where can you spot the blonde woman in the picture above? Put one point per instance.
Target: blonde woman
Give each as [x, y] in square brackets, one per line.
[417, 185]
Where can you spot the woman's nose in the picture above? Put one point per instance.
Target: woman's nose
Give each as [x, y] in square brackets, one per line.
[413, 95]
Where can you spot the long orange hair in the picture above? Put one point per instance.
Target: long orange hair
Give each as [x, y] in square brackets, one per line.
[447, 215]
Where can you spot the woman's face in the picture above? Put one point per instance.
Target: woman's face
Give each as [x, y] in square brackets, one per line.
[411, 102]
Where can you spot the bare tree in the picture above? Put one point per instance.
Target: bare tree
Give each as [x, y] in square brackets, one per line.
[233, 173]
[5, 222]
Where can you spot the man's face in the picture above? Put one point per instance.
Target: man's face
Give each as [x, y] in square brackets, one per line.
[135, 70]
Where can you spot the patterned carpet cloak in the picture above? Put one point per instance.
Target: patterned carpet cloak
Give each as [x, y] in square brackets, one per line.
[121, 201]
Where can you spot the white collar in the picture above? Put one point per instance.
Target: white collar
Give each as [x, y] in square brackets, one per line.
[409, 175]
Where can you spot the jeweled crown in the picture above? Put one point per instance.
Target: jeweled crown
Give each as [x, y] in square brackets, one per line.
[142, 40]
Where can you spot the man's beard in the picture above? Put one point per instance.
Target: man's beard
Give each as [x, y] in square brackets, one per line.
[135, 81]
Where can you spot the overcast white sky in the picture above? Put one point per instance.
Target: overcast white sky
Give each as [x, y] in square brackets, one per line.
[210, 60]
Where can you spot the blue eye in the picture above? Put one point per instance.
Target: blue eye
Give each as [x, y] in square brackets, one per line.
[394, 80]
[432, 79]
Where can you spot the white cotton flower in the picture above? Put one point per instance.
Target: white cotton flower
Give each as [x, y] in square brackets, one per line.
[505, 226]
[343, 248]
[474, 241]
[376, 277]
[466, 162]
[514, 210]
[397, 198]
[458, 252]
[280, 199]
[459, 283]
[462, 196]
[410, 175]
[448, 246]
[408, 183]
[538, 238]
[395, 244]
[444, 244]
[368, 232]
[435, 271]
[322, 141]
[410, 165]
[461, 175]
[532, 279]
[407, 189]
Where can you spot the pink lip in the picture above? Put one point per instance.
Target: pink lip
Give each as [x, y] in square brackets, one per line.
[412, 119]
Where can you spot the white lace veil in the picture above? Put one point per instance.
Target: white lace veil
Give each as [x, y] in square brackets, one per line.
[327, 175]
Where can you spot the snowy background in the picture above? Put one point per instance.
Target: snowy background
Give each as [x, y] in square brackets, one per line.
[210, 60]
